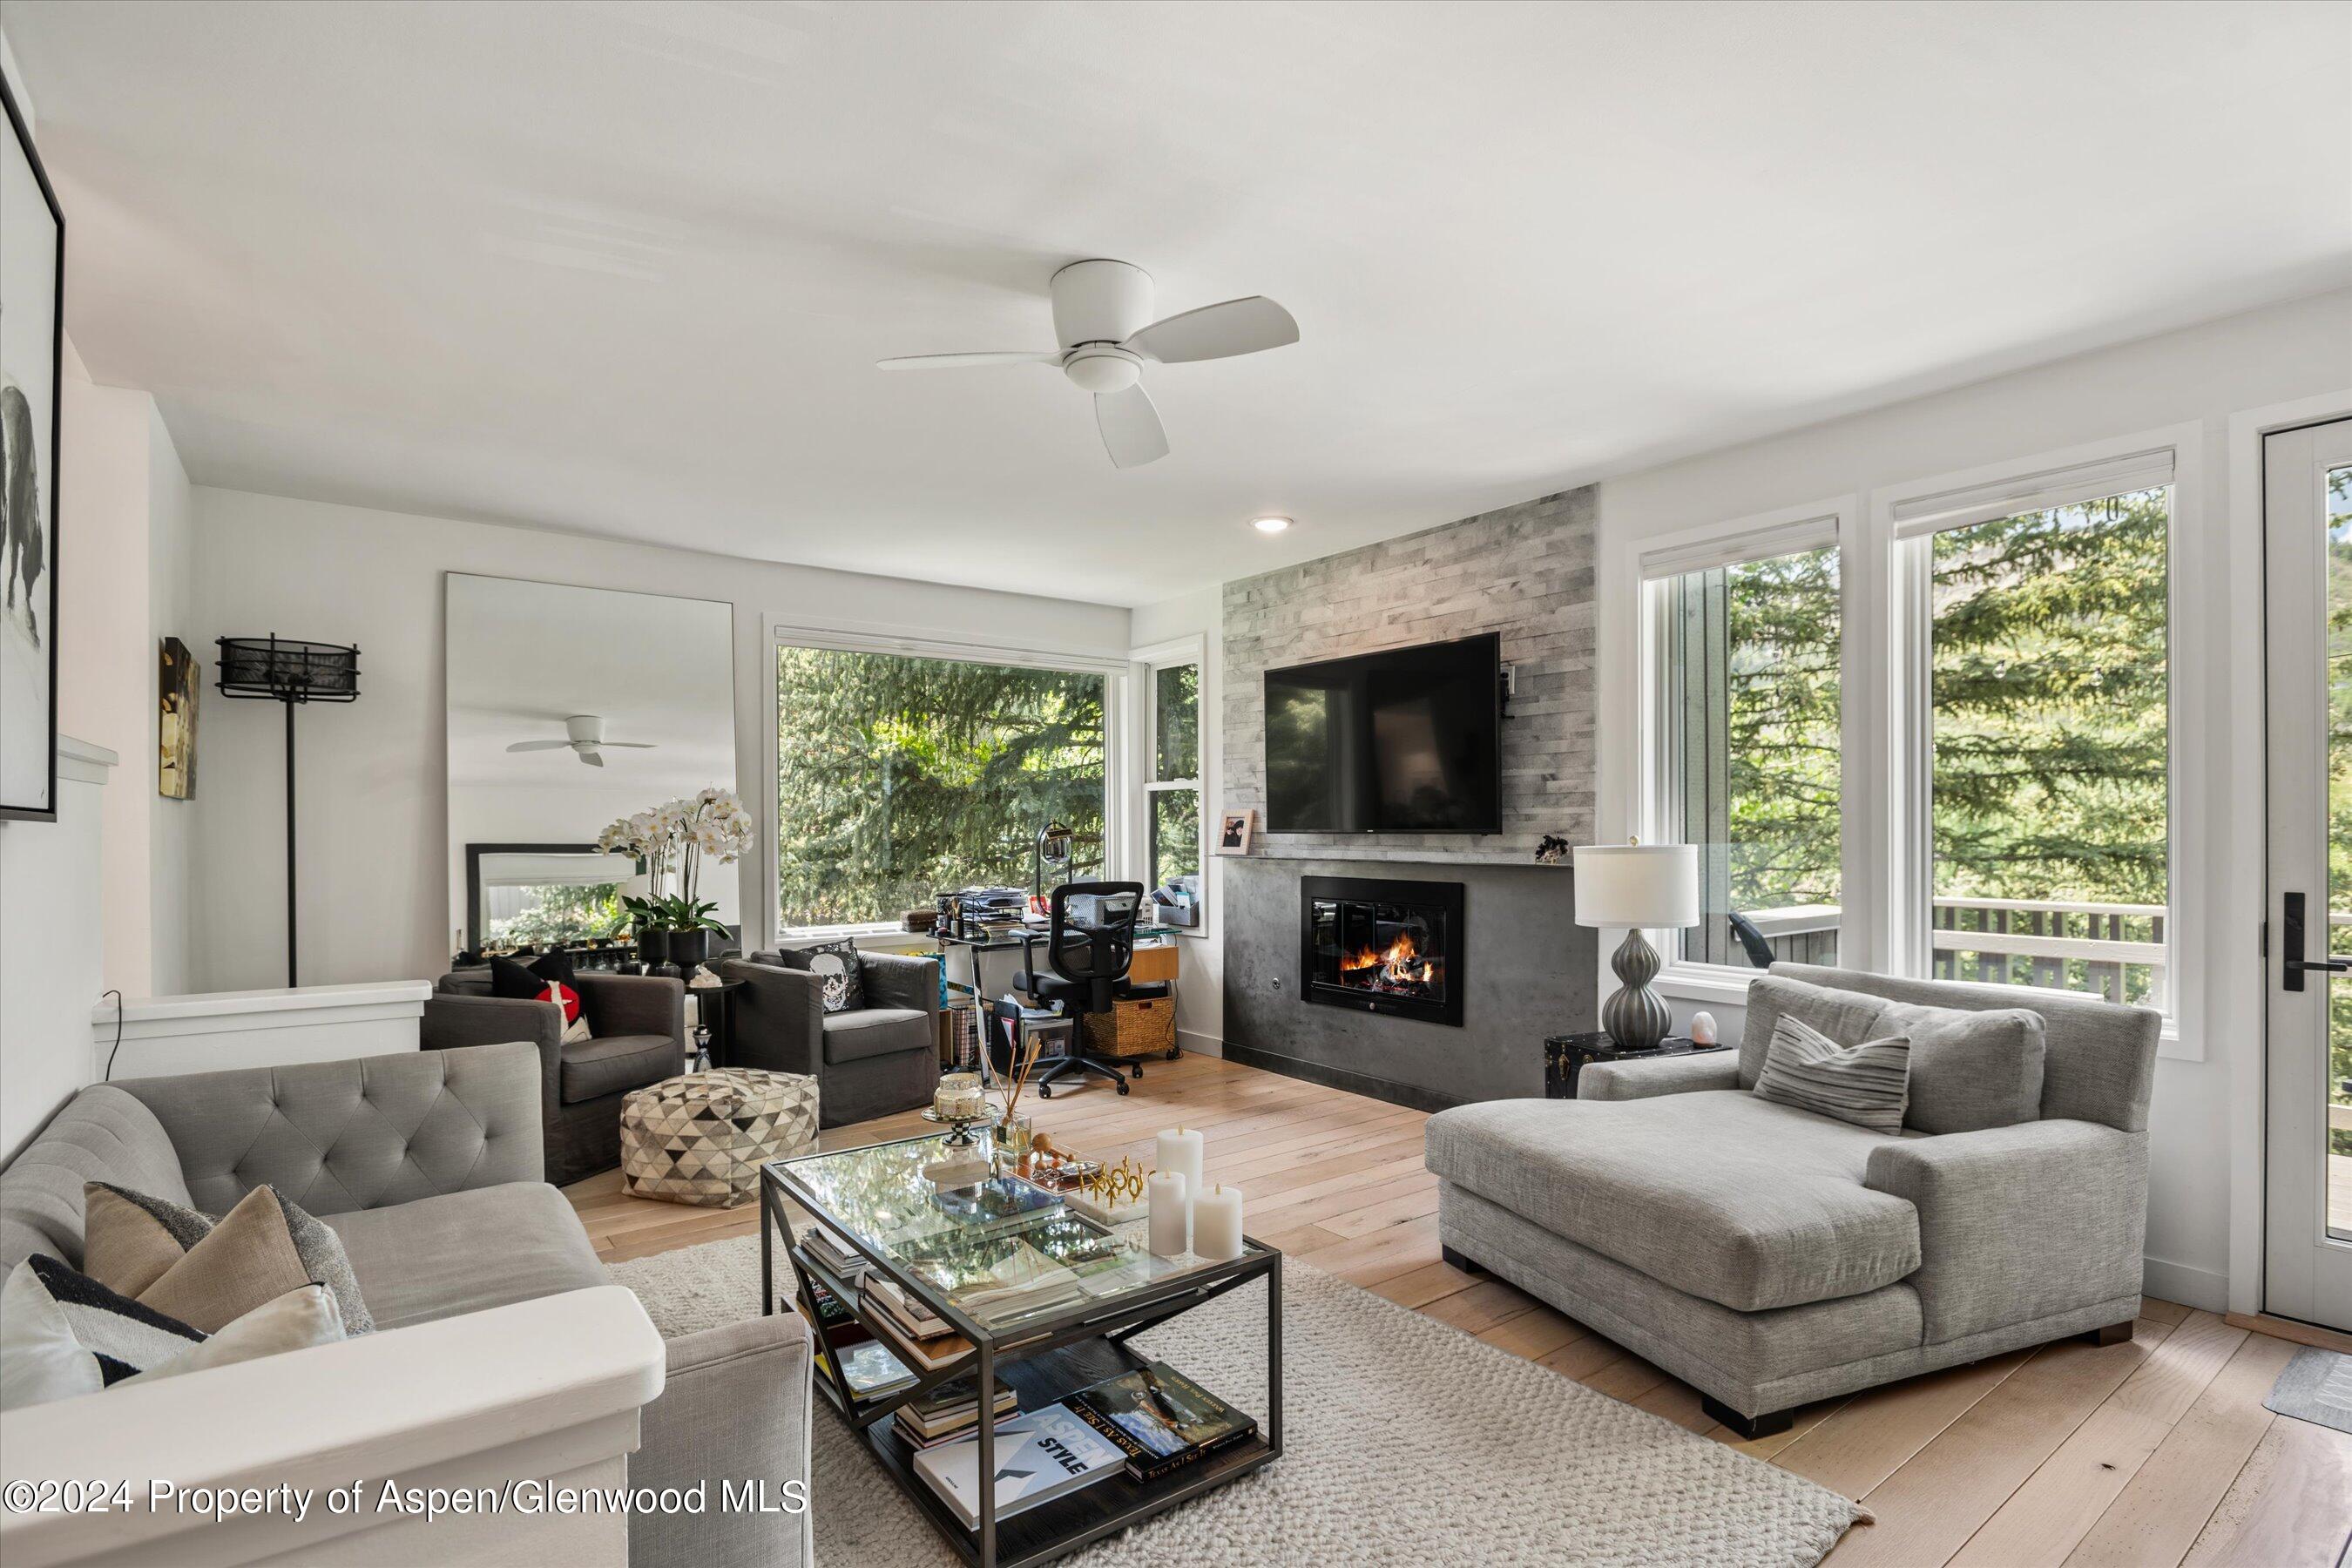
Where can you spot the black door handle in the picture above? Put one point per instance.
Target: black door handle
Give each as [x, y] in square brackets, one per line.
[2295, 964]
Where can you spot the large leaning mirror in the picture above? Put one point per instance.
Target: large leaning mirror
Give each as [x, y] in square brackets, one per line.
[569, 708]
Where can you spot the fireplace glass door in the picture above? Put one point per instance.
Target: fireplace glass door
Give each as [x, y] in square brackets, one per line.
[1367, 946]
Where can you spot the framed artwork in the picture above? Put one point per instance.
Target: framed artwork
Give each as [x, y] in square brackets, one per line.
[1234, 831]
[177, 682]
[32, 341]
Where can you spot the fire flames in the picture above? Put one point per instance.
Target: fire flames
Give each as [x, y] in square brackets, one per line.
[1400, 965]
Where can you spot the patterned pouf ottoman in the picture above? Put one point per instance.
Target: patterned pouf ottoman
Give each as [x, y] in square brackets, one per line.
[702, 1138]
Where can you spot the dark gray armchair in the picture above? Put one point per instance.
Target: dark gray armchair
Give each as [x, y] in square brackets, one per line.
[639, 1025]
[876, 1060]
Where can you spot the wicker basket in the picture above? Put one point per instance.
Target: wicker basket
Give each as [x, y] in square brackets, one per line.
[1135, 1026]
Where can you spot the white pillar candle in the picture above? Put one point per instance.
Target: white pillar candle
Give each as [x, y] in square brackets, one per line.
[1169, 1227]
[1180, 1151]
[1217, 1224]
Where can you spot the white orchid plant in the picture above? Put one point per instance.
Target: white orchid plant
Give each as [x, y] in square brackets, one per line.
[675, 839]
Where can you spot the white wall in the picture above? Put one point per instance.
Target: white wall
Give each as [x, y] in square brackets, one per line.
[1201, 977]
[373, 820]
[52, 945]
[2198, 376]
[122, 585]
[170, 523]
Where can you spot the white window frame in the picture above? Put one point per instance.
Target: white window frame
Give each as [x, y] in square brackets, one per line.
[1903, 520]
[1148, 663]
[1785, 530]
[867, 637]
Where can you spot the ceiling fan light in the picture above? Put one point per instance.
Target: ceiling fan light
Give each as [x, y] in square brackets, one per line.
[1103, 373]
[1269, 524]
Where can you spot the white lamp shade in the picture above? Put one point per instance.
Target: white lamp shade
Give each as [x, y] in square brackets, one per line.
[1653, 886]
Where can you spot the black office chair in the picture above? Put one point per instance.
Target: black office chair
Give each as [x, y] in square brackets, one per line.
[1090, 944]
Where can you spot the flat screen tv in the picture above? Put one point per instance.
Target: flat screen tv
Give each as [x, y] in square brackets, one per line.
[1405, 740]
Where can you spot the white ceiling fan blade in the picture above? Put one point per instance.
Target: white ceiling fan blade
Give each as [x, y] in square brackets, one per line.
[1131, 428]
[591, 758]
[1217, 332]
[630, 745]
[961, 361]
[539, 746]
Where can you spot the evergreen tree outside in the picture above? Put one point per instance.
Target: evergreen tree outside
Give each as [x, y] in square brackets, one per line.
[1784, 761]
[900, 778]
[2050, 689]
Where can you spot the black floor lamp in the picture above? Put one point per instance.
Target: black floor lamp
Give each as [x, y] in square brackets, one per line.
[283, 671]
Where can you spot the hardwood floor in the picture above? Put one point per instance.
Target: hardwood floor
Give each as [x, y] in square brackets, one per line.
[2148, 1454]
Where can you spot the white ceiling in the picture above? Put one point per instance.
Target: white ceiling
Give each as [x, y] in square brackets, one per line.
[624, 269]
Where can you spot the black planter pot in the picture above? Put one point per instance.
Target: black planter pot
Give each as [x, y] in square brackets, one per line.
[688, 948]
[652, 946]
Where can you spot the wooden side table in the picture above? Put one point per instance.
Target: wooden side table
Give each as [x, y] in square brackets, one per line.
[1566, 1056]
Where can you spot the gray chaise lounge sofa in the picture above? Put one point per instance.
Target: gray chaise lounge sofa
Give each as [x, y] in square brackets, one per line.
[428, 1166]
[1770, 1256]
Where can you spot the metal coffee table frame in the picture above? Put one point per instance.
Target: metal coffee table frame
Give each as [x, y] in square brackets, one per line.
[1045, 1358]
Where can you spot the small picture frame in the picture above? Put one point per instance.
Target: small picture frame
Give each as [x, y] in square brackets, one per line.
[1234, 831]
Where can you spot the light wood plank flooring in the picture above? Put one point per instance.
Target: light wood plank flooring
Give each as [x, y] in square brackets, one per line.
[2144, 1455]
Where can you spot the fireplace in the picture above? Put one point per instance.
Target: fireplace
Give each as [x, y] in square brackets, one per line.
[1383, 947]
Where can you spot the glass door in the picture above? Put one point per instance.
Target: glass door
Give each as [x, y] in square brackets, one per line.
[2308, 513]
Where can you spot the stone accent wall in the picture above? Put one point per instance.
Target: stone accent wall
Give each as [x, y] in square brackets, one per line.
[1525, 571]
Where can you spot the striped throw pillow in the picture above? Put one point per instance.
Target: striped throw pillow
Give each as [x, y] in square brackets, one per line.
[1867, 1085]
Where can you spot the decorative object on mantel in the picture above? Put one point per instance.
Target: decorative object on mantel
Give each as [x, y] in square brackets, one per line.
[1636, 886]
[1236, 829]
[1553, 850]
[32, 300]
[177, 680]
[284, 670]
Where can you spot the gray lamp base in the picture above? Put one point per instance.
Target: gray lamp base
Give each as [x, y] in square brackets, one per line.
[1636, 1017]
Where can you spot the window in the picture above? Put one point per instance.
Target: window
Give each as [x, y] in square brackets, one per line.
[899, 776]
[1746, 754]
[1172, 790]
[2048, 709]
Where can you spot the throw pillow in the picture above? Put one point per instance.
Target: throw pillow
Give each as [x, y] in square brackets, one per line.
[1866, 1085]
[301, 1318]
[548, 978]
[1970, 1069]
[1846, 1017]
[129, 1239]
[839, 971]
[63, 1334]
[261, 1249]
[576, 1032]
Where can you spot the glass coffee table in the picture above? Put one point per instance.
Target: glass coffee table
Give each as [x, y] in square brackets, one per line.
[1049, 1300]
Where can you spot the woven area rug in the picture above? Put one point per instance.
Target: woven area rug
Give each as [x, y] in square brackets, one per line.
[1407, 1442]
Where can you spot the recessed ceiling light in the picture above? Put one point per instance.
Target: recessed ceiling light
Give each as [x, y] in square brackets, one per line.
[1269, 524]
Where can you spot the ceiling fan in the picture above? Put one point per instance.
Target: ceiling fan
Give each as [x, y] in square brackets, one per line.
[1100, 311]
[587, 740]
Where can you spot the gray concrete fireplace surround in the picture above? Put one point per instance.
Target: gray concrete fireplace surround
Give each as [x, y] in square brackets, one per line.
[1529, 971]
[1526, 571]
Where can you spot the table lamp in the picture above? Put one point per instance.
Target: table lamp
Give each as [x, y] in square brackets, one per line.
[1636, 886]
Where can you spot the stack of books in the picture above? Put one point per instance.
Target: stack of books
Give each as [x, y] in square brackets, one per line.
[942, 1413]
[1160, 1420]
[831, 1252]
[919, 1334]
[1040, 1456]
[996, 1276]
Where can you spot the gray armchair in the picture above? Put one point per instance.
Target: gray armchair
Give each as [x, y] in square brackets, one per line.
[639, 1025]
[1768, 1255]
[876, 1061]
